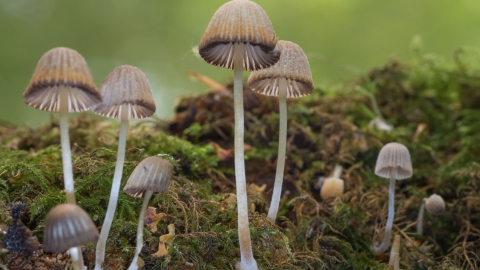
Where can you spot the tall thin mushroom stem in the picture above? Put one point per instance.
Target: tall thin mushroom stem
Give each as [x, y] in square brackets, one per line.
[138, 249]
[391, 212]
[117, 179]
[282, 142]
[247, 261]
[420, 219]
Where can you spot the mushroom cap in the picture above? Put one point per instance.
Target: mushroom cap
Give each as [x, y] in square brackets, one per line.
[152, 173]
[126, 85]
[234, 22]
[67, 225]
[61, 68]
[332, 187]
[394, 156]
[435, 205]
[292, 66]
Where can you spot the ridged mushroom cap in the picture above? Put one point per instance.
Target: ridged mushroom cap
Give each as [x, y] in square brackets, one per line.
[126, 85]
[435, 205]
[239, 21]
[292, 66]
[332, 187]
[66, 226]
[394, 156]
[61, 68]
[152, 173]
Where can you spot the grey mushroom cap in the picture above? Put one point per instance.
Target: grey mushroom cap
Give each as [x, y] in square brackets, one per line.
[394, 156]
[152, 173]
[435, 205]
[66, 226]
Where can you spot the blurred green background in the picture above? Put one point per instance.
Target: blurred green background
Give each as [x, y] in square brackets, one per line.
[158, 36]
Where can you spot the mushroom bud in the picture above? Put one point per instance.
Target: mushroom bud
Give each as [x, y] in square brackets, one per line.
[435, 205]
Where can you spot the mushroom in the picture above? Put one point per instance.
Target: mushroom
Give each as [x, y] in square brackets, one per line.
[290, 77]
[62, 83]
[393, 162]
[126, 95]
[152, 174]
[333, 185]
[68, 226]
[394, 262]
[435, 205]
[240, 36]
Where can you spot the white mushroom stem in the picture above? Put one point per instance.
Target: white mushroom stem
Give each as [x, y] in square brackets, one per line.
[420, 219]
[391, 213]
[247, 261]
[146, 199]
[282, 145]
[117, 179]
[77, 260]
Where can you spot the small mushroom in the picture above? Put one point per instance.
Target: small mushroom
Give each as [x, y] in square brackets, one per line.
[394, 262]
[162, 250]
[393, 162]
[333, 185]
[152, 218]
[435, 205]
[126, 95]
[152, 174]
[290, 77]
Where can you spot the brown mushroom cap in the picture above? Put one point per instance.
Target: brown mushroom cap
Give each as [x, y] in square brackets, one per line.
[435, 205]
[332, 187]
[61, 68]
[292, 66]
[394, 155]
[66, 226]
[126, 85]
[239, 21]
[152, 173]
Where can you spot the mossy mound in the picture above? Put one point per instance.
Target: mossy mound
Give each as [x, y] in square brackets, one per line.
[433, 104]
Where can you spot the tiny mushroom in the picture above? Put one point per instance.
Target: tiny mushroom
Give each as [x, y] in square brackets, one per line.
[333, 186]
[126, 95]
[62, 83]
[152, 218]
[435, 205]
[152, 174]
[393, 162]
[290, 77]
[68, 226]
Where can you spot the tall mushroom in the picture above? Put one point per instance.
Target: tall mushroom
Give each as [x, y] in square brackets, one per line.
[68, 226]
[126, 95]
[62, 83]
[151, 175]
[290, 77]
[393, 162]
[240, 36]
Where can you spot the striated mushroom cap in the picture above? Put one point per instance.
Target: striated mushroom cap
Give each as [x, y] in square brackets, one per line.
[61, 68]
[239, 21]
[292, 66]
[66, 226]
[152, 173]
[435, 205]
[126, 85]
[394, 156]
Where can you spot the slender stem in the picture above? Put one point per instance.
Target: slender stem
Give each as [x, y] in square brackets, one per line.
[391, 213]
[337, 171]
[76, 263]
[396, 247]
[282, 145]
[247, 261]
[117, 179]
[65, 142]
[420, 219]
[146, 199]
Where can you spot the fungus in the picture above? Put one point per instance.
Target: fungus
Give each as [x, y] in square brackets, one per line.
[290, 77]
[152, 218]
[333, 185]
[68, 226]
[126, 95]
[240, 36]
[393, 162]
[152, 174]
[62, 83]
[435, 205]
[394, 262]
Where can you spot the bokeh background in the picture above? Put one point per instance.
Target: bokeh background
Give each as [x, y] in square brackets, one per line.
[340, 37]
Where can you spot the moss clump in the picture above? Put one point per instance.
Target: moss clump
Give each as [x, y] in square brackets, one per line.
[429, 101]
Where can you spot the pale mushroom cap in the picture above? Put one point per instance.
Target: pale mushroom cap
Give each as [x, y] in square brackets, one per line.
[61, 68]
[292, 66]
[394, 155]
[239, 21]
[67, 226]
[126, 85]
[435, 205]
[332, 187]
[152, 173]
